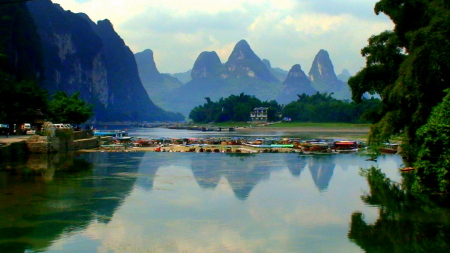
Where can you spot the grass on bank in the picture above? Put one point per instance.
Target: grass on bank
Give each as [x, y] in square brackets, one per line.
[292, 124]
[312, 124]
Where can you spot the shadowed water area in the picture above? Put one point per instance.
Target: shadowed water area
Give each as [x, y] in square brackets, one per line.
[210, 202]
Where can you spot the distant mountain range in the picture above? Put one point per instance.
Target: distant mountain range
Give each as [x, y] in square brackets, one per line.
[244, 72]
[80, 55]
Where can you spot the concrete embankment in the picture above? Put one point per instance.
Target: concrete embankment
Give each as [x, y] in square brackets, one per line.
[63, 141]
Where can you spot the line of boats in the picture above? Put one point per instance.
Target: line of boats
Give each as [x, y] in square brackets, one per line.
[316, 146]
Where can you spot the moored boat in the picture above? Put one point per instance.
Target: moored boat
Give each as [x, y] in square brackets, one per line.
[389, 148]
[120, 135]
[345, 146]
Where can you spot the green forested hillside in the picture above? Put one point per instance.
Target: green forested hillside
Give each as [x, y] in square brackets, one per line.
[410, 69]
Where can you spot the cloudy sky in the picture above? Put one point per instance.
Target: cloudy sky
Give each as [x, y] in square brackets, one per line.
[286, 32]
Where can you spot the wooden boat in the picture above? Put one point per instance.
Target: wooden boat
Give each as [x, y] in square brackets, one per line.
[389, 148]
[345, 146]
[407, 169]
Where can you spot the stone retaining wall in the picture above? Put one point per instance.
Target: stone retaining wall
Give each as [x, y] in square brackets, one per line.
[86, 143]
[83, 134]
[39, 147]
[13, 149]
[43, 145]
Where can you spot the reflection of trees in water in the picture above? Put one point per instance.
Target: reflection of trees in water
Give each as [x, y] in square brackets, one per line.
[321, 169]
[407, 222]
[36, 209]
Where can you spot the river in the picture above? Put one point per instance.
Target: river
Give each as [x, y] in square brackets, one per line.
[191, 202]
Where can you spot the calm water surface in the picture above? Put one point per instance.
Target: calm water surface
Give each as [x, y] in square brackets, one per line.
[180, 133]
[185, 202]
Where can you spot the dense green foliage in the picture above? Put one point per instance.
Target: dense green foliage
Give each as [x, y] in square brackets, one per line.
[433, 161]
[408, 67]
[324, 108]
[233, 108]
[315, 108]
[68, 109]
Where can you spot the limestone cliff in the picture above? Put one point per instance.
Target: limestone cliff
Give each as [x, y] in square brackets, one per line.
[296, 83]
[244, 63]
[207, 65]
[80, 55]
[158, 86]
[324, 78]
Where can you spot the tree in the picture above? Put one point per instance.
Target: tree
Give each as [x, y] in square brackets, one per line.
[434, 154]
[19, 97]
[69, 109]
[321, 107]
[408, 68]
[232, 108]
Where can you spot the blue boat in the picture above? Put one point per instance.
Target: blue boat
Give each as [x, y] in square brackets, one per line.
[120, 135]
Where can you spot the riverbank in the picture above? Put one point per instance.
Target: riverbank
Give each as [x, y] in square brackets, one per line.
[315, 130]
[64, 141]
[306, 129]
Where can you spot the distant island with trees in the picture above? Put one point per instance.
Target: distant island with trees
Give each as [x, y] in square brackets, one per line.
[320, 107]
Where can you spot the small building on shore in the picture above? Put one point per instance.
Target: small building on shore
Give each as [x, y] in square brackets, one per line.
[259, 114]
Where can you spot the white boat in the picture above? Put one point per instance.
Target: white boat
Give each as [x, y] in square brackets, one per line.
[120, 135]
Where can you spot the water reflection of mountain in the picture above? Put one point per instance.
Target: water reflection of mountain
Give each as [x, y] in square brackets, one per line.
[321, 168]
[246, 174]
[296, 164]
[207, 171]
[242, 171]
[243, 174]
[149, 165]
[252, 169]
[43, 197]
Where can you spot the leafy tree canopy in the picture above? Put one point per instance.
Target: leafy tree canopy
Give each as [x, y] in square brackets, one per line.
[69, 109]
[233, 108]
[434, 152]
[324, 108]
[408, 68]
[315, 108]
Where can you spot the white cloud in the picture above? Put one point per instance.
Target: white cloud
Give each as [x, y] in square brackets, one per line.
[284, 31]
